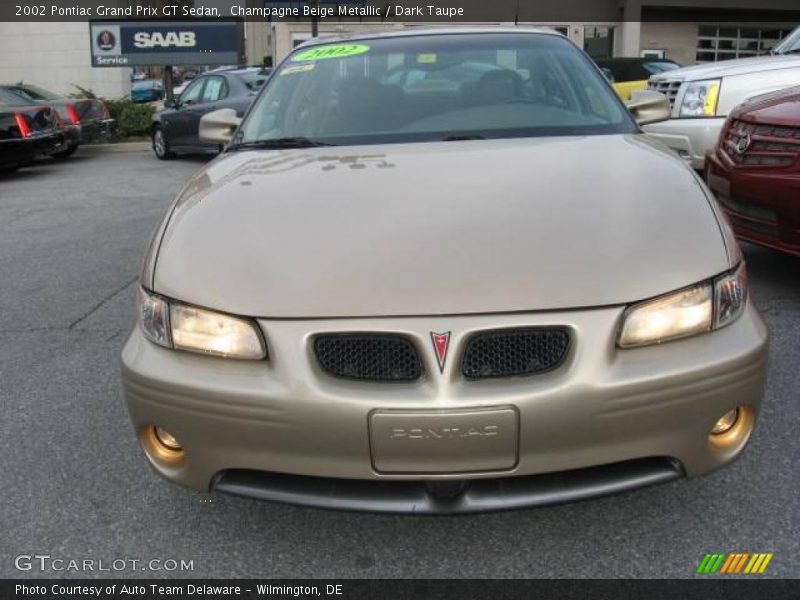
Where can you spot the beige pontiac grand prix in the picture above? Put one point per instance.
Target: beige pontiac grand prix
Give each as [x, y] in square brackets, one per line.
[436, 271]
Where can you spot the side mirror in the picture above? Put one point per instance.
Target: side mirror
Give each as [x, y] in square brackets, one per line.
[648, 107]
[218, 127]
[171, 104]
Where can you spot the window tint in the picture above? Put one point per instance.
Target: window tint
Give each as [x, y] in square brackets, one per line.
[147, 85]
[659, 67]
[255, 79]
[215, 89]
[34, 92]
[10, 99]
[191, 94]
[431, 87]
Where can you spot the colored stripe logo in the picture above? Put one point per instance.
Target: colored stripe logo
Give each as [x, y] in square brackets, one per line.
[735, 563]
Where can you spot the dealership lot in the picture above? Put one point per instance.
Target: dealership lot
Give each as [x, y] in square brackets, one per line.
[72, 235]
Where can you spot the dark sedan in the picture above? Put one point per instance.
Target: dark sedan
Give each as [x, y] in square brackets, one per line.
[26, 131]
[755, 170]
[175, 129]
[84, 119]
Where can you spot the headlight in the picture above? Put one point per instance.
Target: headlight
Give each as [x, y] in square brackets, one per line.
[730, 296]
[698, 309]
[200, 330]
[678, 315]
[154, 318]
[700, 99]
[182, 327]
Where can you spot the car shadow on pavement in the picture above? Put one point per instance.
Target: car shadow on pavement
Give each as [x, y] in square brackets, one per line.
[777, 274]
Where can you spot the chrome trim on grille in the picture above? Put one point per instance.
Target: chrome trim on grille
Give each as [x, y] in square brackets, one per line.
[760, 145]
[668, 87]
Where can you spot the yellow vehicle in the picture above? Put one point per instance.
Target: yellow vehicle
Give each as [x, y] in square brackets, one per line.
[629, 74]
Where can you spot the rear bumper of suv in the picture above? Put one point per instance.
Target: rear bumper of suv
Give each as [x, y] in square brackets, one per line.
[283, 429]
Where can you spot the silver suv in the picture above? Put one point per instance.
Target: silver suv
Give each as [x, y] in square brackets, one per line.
[703, 95]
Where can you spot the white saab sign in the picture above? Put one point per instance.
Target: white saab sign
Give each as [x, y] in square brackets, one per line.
[170, 39]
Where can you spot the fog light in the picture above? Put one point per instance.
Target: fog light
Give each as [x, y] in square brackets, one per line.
[726, 422]
[162, 447]
[167, 439]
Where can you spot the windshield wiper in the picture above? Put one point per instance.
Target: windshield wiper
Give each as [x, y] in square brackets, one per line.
[792, 51]
[463, 138]
[279, 143]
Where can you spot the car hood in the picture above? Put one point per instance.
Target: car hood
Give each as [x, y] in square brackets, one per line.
[439, 228]
[777, 108]
[729, 68]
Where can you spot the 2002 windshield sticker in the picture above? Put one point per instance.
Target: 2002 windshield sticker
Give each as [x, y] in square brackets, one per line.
[337, 51]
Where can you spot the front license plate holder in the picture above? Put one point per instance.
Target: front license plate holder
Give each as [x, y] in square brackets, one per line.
[444, 441]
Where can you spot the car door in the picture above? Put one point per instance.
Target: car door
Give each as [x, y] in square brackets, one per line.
[238, 96]
[214, 96]
[182, 123]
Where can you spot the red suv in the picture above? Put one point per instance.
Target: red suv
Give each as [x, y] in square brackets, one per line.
[755, 170]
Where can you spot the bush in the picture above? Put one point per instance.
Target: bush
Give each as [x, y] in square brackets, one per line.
[115, 106]
[132, 119]
[82, 92]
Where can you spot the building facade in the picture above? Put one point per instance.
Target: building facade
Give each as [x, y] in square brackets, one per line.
[686, 31]
[56, 56]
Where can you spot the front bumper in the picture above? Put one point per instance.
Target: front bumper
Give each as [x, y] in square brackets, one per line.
[762, 203]
[691, 139]
[603, 407]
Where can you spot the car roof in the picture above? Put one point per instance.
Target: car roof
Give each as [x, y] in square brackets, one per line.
[426, 31]
[243, 70]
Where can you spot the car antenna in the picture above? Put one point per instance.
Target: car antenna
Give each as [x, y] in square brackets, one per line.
[516, 15]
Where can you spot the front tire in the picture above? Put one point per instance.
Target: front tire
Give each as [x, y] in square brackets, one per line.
[161, 145]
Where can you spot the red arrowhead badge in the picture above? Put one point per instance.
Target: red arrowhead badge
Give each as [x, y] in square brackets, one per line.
[440, 343]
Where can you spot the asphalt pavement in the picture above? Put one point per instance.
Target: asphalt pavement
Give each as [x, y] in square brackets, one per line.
[75, 485]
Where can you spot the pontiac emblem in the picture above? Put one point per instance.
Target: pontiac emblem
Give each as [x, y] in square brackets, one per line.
[441, 341]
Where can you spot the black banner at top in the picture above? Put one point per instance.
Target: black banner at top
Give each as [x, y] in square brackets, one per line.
[422, 11]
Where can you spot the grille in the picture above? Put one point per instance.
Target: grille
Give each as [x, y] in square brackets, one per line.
[758, 145]
[748, 209]
[514, 352]
[368, 357]
[668, 87]
[768, 229]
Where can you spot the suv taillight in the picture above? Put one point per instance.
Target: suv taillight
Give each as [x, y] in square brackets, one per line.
[22, 124]
[73, 114]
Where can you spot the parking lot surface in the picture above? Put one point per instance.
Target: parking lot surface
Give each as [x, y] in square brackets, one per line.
[76, 486]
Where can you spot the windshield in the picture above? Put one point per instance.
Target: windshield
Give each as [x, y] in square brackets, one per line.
[789, 45]
[435, 87]
[34, 92]
[145, 85]
[11, 99]
[660, 67]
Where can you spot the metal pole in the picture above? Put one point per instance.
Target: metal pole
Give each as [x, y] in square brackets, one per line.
[168, 83]
[314, 23]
